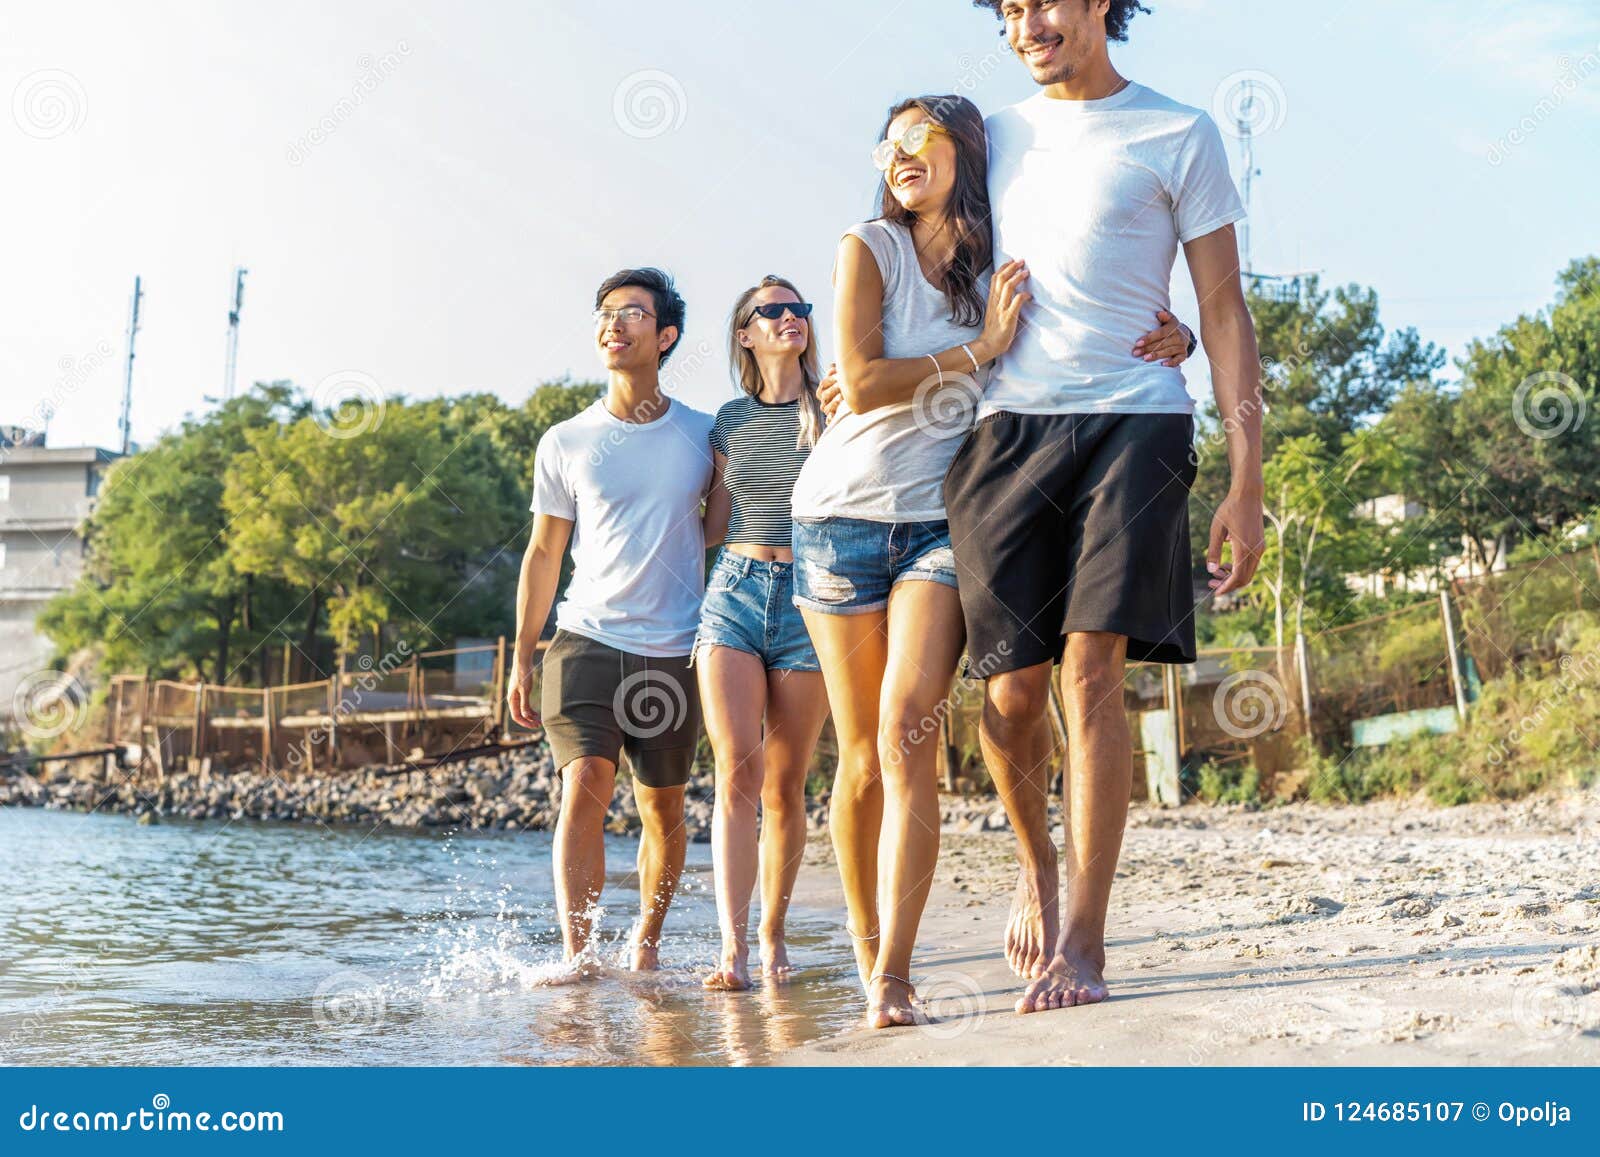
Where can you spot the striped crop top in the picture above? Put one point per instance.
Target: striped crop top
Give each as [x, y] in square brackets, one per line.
[760, 442]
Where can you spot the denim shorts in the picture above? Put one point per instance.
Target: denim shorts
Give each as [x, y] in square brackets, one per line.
[847, 566]
[749, 606]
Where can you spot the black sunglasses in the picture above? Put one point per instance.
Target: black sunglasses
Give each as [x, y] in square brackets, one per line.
[773, 310]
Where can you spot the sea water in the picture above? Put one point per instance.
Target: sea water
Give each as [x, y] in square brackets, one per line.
[232, 943]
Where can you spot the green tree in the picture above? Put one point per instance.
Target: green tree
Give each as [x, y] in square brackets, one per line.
[159, 592]
[380, 514]
[1329, 370]
[1321, 527]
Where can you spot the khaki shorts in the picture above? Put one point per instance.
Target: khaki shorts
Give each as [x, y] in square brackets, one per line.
[599, 701]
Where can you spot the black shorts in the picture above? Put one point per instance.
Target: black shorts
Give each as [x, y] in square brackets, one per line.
[1073, 522]
[596, 700]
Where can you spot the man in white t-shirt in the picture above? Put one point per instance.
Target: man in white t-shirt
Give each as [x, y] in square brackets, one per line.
[1068, 503]
[624, 481]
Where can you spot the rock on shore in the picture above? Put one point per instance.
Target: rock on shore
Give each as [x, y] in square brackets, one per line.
[515, 790]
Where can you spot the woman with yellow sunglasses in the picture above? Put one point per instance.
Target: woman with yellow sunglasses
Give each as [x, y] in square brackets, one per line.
[920, 315]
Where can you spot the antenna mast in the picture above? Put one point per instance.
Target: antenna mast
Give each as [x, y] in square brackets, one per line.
[1247, 146]
[125, 425]
[233, 332]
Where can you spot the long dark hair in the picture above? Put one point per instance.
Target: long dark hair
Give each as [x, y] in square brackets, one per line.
[968, 212]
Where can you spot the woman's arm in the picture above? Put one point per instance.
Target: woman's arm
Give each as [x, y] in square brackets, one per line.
[867, 379]
[1170, 343]
[719, 504]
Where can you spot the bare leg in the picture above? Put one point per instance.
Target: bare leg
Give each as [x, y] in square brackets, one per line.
[797, 704]
[1099, 782]
[853, 650]
[663, 842]
[579, 849]
[1015, 734]
[925, 638]
[733, 692]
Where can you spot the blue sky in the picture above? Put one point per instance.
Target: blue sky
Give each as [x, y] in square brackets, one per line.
[427, 194]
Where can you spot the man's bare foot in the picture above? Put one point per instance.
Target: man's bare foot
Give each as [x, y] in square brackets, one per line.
[1034, 921]
[570, 971]
[733, 973]
[892, 1002]
[646, 954]
[1071, 978]
[775, 958]
[866, 950]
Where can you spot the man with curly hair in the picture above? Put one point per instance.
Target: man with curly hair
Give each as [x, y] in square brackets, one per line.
[1068, 503]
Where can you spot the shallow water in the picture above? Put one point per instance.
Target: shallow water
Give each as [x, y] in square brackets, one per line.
[249, 943]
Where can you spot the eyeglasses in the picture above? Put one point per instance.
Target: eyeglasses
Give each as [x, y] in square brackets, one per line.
[627, 315]
[773, 310]
[913, 142]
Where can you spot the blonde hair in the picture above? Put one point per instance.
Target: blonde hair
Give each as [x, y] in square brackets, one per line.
[747, 373]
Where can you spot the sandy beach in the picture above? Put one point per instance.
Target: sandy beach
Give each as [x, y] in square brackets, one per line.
[1382, 934]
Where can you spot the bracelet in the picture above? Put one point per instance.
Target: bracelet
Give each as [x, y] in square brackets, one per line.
[966, 349]
[937, 367]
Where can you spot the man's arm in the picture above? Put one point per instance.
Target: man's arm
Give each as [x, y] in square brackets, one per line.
[1229, 337]
[719, 504]
[536, 591]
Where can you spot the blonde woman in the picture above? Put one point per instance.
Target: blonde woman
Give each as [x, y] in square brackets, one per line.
[759, 677]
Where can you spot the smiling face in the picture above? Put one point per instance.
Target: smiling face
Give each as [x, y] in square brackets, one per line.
[1054, 38]
[922, 184]
[788, 335]
[632, 347]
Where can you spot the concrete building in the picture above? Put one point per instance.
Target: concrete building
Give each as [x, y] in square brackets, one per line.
[46, 494]
[1388, 509]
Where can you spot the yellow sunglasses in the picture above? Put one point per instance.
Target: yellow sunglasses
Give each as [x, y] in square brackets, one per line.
[913, 143]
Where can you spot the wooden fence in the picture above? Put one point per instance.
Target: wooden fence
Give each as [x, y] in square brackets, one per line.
[383, 710]
[1235, 705]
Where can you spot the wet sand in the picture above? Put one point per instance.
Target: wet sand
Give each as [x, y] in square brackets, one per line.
[1388, 933]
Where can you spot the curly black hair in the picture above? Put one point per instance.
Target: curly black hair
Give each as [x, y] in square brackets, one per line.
[1117, 15]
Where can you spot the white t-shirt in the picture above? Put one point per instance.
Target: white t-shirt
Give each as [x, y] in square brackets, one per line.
[888, 465]
[1096, 195]
[634, 491]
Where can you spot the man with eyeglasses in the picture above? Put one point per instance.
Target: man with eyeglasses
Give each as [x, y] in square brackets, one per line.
[624, 482]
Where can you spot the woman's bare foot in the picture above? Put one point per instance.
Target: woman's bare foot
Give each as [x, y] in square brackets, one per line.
[1071, 978]
[733, 974]
[892, 1002]
[775, 958]
[866, 950]
[1032, 928]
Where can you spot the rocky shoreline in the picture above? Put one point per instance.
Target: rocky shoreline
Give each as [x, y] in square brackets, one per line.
[516, 790]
